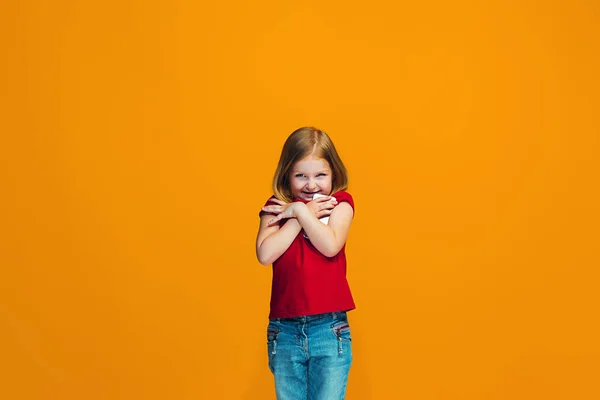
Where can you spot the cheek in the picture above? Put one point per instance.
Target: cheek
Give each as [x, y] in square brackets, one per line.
[295, 184]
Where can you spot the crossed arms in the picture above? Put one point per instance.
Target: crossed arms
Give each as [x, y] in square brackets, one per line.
[272, 240]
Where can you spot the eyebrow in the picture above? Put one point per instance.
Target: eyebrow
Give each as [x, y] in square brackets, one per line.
[297, 171]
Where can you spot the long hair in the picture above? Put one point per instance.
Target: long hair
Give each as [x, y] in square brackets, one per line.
[300, 144]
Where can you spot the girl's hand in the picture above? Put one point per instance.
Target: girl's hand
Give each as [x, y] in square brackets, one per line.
[283, 210]
[322, 206]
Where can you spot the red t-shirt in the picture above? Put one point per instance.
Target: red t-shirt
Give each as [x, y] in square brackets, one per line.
[305, 282]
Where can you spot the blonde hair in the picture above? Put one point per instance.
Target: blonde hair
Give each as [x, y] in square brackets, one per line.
[300, 144]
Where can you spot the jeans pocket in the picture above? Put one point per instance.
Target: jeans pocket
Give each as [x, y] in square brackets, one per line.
[341, 330]
[272, 334]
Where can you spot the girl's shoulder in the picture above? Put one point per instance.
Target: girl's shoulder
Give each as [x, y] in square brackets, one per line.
[343, 195]
[269, 202]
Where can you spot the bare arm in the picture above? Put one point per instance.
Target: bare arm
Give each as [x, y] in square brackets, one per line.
[272, 241]
[328, 239]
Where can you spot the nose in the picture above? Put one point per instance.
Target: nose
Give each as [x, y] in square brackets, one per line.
[311, 185]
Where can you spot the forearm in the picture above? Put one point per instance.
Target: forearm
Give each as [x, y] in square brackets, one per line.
[322, 236]
[274, 245]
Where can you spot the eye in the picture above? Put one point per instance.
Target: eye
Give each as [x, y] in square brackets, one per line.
[299, 175]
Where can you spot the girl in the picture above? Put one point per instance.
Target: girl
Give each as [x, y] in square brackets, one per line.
[308, 336]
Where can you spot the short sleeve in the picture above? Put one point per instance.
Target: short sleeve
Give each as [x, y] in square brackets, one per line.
[344, 196]
[269, 202]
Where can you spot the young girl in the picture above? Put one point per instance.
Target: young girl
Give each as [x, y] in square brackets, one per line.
[308, 336]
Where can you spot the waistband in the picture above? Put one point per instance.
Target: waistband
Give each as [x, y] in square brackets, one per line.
[308, 318]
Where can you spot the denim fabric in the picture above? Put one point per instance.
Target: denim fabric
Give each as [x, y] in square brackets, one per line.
[310, 356]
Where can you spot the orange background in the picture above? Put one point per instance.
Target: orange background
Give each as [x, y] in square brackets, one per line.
[139, 140]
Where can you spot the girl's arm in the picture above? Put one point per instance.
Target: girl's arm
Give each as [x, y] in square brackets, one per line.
[328, 239]
[272, 241]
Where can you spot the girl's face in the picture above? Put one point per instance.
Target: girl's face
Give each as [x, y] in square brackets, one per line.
[308, 176]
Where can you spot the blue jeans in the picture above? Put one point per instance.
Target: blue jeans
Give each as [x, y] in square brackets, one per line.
[310, 356]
